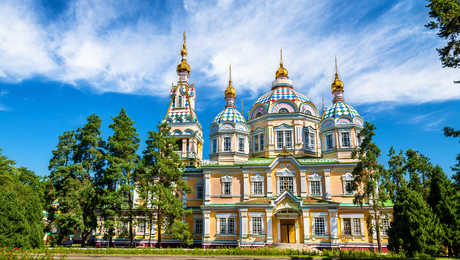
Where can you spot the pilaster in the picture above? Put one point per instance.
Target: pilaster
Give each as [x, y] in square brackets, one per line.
[327, 184]
[206, 223]
[306, 226]
[207, 187]
[268, 213]
[303, 184]
[334, 227]
[269, 184]
[245, 185]
[243, 223]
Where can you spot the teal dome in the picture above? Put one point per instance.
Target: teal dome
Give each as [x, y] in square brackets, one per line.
[229, 114]
[340, 109]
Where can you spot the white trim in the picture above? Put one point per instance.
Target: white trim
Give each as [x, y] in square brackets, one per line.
[225, 215]
[226, 178]
[352, 215]
[258, 177]
[285, 172]
[256, 214]
[319, 214]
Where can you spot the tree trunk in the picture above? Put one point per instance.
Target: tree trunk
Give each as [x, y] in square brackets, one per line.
[377, 230]
[150, 229]
[158, 228]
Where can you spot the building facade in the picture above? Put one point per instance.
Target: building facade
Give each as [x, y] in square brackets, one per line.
[281, 175]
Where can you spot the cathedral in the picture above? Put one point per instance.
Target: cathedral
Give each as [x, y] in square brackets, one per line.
[281, 174]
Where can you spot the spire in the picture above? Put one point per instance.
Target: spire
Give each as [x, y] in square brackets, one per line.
[281, 72]
[230, 91]
[183, 65]
[337, 84]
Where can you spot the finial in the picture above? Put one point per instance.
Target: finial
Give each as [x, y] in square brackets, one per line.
[281, 56]
[230, 73]
[230, 91]
[281, 72]
[336, 70]
[184, 37]
[183, 65]
[337, 84]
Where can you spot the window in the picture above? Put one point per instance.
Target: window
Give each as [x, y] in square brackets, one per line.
[257, 188]
[345, 139]
[283, 110]
[315, 188]
[309, 139]
[283, 138]
[180, 101]
[259, 114]
[319, 226]
[227, 188]
[286, 183]
[347, 226]
[356, 226]
[199, 191]
[261, 142]
[257, 225]
[214, 145]
[348, 187]
[198, 226]
[188, 146]
[241, 145]
[385, 226]
[226, 226]
[329, 143]
[227, 144]
[141, 226]
[256, 143]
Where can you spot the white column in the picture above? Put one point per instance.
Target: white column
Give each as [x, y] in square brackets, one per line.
[279, 232]
[362, 228]
[306, 226]
[243, 223]
[303, 184]
[334, 226]
[327, 184]
[245, 186]
[269, 184]
[206, 223]
[270, 135]
[268, 213]
[207, 187]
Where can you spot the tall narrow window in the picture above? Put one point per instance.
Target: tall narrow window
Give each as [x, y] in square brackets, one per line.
[306, 140]
[288, 138]
[329, 143]
[141, 227]
[198, 226]
[214, 145]
[227, 144]
[356, 226]
[385, 226]
[180, 101]
[348, 187]
[227, 188]
[231, 226]
[347, 226]
[256, 143]
[257, 188]
[279, 139]
[257, 225]
[199, 191]
[312, 141]
[223, 225]
[261, 142]
[319, 226]
[346, 139]
[241, 144]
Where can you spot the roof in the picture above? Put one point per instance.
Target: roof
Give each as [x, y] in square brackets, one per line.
[281, 93]
[339, 109]
[229, 114]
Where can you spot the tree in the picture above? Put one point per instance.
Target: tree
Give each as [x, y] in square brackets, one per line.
[161, 184]
[89, 154]
[445, 16]
[444, 203]
[369, 179]
[450, 132]
[119, 175]
[21, 205]
[414, 229]
[395, 173]
[419, 169]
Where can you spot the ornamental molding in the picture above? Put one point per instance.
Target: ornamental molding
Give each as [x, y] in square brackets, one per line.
[226, 178]
[285, 172]
[314, 177]
[257, 178]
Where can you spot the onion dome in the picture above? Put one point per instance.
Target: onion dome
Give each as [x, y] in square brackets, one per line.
[183, 65]
[340, 109]
[230, 92]
[281, 72]
[229, 114]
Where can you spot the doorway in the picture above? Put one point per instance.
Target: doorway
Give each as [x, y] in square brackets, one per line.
[287, 227]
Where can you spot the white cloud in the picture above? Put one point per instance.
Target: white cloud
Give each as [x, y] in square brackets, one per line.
[390, 58]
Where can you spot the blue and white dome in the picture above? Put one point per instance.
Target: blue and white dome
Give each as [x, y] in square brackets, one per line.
[229, 114]
[340, 109]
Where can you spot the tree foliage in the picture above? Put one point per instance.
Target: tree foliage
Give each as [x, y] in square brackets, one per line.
[445, 18]
[450, 132]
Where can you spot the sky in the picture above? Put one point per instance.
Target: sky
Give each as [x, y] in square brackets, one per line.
[61, 61]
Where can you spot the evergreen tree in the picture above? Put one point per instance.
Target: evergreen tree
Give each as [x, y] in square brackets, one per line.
[395, 173]
[370, 180]
[414, 229]
[442, 199]
[419, 169]
[162, 186]
[89, 154]
[118, 177]
[450, 132]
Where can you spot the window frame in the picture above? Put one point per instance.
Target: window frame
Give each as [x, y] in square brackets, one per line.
[196, 223]
[329, 141]
[290, 184]
[345, 142]
[317, 226]
[241, 144]
[214, 145]
[227, 145]
[284, 138]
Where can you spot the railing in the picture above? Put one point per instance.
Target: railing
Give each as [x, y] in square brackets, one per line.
[186, 155]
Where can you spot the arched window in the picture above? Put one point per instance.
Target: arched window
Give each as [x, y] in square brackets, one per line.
[259, 114]
[283, 110]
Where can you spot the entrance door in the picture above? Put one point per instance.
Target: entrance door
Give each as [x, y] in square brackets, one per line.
[287, 231]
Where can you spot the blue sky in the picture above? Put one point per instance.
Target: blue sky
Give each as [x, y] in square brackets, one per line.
[60, 61]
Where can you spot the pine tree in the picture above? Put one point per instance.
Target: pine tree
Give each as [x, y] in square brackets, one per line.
[450, 132]
[414, 229]
[89, 154]
[162, 186]
[119, 175]
[395, 173]
[442, 199]
[370, 180]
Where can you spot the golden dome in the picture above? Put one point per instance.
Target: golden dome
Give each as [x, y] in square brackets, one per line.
[183, 65]
[337, 84]
[281, 72]
[230, 90]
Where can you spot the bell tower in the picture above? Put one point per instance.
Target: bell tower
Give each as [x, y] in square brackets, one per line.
[181, 115]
